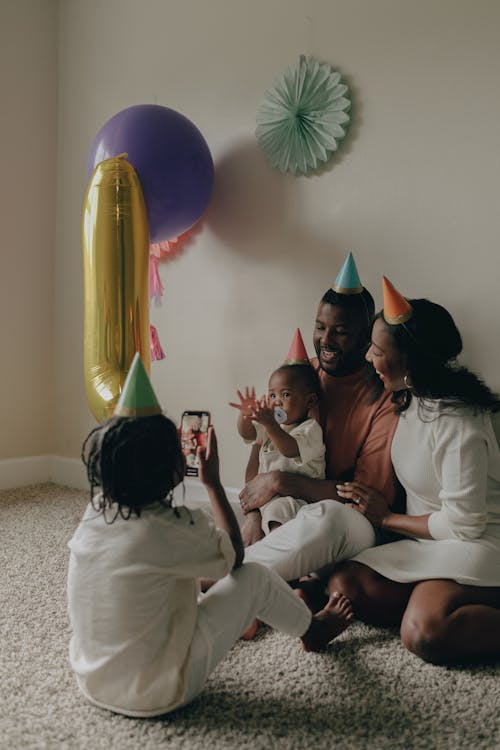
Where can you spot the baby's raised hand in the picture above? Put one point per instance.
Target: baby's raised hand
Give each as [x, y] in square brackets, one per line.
[247, 403]
[263, 413]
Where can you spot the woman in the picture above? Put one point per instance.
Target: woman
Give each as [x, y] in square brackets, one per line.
[442, 580]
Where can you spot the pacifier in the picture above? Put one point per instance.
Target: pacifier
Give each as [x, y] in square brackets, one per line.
[280, 415]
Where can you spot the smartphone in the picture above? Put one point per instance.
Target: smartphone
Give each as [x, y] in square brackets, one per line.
[194, 428]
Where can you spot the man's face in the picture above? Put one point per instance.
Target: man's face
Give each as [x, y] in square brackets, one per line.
[340, 339]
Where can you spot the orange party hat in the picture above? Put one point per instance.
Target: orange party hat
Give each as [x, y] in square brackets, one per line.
[297, 354]
[397, 309]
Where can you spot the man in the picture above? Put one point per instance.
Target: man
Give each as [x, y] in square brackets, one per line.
[357, 432]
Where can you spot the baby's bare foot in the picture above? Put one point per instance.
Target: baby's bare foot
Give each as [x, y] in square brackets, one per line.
[327, 624]
[205, 584]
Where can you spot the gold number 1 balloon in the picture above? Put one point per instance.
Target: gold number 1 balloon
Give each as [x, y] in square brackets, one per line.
[115, 240]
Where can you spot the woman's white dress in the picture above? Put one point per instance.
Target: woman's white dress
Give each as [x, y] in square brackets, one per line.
[449, 464]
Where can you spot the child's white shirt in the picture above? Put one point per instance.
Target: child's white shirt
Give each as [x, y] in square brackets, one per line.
[132, 599]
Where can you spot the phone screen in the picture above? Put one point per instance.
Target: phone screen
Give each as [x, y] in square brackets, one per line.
[194, 428]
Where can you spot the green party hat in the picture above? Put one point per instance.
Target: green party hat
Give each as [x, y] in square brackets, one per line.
[348, 281]
[137, 398]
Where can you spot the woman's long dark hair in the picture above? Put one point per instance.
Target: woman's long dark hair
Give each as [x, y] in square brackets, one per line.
[430, 342]
[134, 461]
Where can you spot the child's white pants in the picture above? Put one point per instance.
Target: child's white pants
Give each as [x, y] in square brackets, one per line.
[229, 608]
[321, 533]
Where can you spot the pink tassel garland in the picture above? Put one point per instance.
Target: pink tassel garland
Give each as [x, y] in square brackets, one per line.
[156, 351]
[157, 251]
[162, 249]
[155, 285]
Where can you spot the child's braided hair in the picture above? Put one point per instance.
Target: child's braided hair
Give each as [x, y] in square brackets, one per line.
[134, 461]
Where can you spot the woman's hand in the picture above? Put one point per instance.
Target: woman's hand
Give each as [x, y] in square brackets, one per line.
[247, 402]
[208, 457]
[365, 500]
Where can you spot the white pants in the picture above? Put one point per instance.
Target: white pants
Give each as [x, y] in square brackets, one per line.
[227, 610]
[280, 509]
[321, 533]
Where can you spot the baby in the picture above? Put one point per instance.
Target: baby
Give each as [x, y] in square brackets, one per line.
[280, 424]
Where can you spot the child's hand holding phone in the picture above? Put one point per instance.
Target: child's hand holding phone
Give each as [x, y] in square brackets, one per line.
[208, 461]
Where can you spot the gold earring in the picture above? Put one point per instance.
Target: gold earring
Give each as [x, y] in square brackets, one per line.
[406, 381]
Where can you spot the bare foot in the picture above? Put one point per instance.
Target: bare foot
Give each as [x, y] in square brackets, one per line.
[312, 592]
[252, 629]
[251, 530]
[327, 624]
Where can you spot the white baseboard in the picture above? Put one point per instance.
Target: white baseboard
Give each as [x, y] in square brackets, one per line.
[70, 472]
[18, 472]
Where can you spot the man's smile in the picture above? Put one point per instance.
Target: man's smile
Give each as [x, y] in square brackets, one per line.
[329, 355]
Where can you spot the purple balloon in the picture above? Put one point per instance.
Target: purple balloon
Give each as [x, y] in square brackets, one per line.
[172, 161]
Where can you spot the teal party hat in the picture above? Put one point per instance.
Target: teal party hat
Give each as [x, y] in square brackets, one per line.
[348, 281]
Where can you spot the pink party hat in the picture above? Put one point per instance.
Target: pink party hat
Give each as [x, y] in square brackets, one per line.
[297, 354]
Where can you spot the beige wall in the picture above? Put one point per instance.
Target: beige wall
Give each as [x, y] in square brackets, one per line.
[28, 147]
[413, 191]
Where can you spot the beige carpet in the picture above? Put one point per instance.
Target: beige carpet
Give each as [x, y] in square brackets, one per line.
[366, 692]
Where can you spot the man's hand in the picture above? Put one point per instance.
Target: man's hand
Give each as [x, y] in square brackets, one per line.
[258, 492]
[365, 500]
[251, 530]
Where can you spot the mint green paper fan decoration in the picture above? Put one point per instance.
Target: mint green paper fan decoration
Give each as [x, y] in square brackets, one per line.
[303, 117]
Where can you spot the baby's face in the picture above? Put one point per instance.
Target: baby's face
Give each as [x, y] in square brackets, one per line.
[291, 397]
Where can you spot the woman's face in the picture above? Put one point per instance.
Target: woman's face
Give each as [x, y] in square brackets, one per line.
[386, 361]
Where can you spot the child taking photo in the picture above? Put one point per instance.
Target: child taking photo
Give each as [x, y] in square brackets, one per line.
[143, 641]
